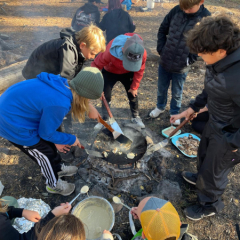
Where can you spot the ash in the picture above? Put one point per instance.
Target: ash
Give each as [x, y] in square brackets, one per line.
[150, 175]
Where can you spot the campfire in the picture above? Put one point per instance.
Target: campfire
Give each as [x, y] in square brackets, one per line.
[119, 172]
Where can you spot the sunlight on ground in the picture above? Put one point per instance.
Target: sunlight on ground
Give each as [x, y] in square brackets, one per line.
[8, 160]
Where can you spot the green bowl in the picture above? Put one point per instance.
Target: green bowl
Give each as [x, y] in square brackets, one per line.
[165, 135]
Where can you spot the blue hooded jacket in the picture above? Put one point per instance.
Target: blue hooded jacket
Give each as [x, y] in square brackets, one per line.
[35, 109]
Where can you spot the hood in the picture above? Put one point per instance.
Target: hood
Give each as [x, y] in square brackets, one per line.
[117, 45]
[89, 8]
[67, 33]
[56, 82]
[227, 62]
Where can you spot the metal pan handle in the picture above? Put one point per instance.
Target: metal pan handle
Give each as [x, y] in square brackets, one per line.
[117, 235]
[132, 226]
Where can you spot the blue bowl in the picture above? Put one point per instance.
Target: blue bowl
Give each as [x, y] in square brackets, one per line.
[175, 138]
[165, 135]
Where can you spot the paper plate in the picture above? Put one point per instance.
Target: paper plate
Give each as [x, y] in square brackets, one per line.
[165, 135]
[175, 138]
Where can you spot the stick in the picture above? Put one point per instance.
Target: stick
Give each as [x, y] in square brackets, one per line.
[4, 10]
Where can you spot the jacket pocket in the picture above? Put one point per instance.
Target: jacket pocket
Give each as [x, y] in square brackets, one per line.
[231, 158]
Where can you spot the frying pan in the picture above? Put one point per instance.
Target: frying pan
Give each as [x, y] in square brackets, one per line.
[105, 143]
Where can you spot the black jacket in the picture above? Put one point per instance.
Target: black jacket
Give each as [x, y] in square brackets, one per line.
[85, 15]
[8, 232]
[222, 94]
[58, 56]
[171, 45]
[116, 22]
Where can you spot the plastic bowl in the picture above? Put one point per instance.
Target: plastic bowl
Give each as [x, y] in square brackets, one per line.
[165, 135]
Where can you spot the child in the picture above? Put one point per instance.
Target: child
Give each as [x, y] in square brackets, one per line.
[65, 55]
[67, 227]
[160, 220]
[7, 213]
[62, 228]
[29, 119]
[57, 225]
[175, 56]
[86, 15]
[217, 41]
[116, 21]
[124, 61]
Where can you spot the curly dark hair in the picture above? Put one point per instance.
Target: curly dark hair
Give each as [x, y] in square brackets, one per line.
[213, 33]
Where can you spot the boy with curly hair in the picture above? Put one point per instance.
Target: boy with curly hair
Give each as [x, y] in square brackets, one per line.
[217, 40]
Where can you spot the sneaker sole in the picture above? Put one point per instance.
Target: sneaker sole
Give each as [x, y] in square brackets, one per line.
[67, 175]
[53, 192]
[187, 180]
[156, 116]
[194, 219]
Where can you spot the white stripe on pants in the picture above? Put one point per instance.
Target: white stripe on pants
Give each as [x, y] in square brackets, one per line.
[45, 165]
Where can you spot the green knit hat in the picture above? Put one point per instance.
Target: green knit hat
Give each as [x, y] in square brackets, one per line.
[88, 83]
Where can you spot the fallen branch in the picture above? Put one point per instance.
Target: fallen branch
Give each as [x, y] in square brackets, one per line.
[4, 10]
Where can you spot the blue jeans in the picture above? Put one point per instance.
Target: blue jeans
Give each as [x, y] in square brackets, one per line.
[164, 79]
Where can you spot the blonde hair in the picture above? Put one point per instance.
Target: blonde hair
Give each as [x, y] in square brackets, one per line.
[93, 37]
[80, 106]
[3, 207]
[64, 227]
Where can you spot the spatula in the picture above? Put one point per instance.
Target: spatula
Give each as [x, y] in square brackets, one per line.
[116, 135]
[92, 152]
[112, 121]
[163, 143]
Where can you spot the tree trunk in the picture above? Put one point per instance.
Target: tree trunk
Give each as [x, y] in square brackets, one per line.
[11, 75]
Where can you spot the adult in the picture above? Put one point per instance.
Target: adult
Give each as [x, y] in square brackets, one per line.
[116, 21]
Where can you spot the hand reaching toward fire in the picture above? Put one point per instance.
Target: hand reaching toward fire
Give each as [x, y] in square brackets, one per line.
[63, 147]
[93, 112]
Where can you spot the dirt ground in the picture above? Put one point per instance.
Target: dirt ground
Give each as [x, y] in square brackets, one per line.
[30, 23]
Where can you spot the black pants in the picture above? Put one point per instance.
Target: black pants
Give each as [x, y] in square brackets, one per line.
[215, 161]
[110, 79]
[45, 155]
[200, 121]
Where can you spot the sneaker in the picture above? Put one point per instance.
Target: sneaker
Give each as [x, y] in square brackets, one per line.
[156, 112]
[188, 236]
[197, 212]
[63, 188]
[67, 157]
[67, 171]
[190, 177]
[138, 121]
[177, 122]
